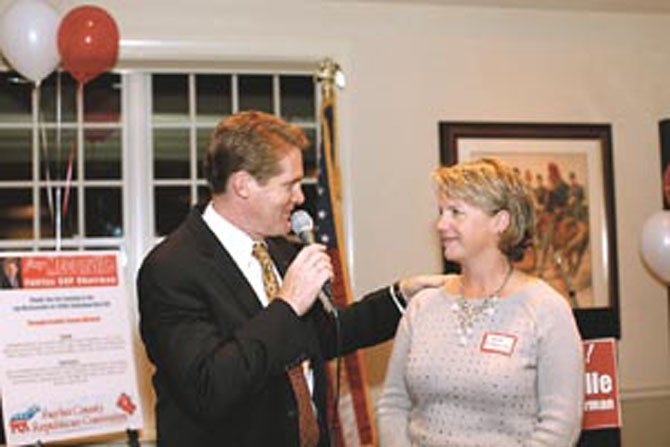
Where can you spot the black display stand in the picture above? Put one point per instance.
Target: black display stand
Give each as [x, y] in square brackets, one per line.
[133, 438]
[608, 437]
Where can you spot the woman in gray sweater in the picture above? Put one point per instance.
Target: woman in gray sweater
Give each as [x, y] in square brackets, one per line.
[494, 358]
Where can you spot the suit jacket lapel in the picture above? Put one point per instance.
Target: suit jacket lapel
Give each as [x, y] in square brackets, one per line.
[282, 253]
[207, 244]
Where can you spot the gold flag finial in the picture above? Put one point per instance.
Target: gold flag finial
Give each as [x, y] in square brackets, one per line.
[329, 74]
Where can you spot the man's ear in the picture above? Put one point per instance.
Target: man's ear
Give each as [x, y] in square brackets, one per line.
[241, 183]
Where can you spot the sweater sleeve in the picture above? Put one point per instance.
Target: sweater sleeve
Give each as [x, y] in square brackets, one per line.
[394, 402]
[560, 376]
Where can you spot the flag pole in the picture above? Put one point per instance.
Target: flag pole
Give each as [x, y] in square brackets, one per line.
[330, 76]
[329, 71]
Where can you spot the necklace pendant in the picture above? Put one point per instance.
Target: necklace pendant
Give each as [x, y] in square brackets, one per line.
[462, 340]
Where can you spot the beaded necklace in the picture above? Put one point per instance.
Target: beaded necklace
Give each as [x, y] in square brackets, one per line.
[467, 313]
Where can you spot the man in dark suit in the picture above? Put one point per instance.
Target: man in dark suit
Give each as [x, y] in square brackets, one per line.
[221, 346]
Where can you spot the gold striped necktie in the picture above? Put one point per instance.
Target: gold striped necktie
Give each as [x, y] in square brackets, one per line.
[308, 426]
[270, 283]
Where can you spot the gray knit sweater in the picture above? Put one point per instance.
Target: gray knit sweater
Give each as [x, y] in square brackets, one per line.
[517, 381]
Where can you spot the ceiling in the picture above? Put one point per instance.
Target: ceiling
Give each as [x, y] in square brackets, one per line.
[627, 6]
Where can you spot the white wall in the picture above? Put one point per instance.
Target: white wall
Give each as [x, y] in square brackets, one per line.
[409, 67]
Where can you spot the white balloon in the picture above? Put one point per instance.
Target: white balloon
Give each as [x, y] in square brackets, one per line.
[28, 30]
[655, 244]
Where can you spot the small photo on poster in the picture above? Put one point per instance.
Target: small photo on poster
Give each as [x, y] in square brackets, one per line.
[11, 276]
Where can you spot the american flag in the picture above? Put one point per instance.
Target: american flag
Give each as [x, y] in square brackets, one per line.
[354, 409]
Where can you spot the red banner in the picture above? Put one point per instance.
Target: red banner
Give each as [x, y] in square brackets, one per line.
[602, 408]
[41, 272]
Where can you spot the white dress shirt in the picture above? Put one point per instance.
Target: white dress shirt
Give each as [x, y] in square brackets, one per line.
[239, 244]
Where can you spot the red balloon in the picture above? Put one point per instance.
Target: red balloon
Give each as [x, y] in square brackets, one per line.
[88, 42]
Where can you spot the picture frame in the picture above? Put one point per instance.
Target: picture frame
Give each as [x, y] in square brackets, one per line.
[568, 168]
[664, 135]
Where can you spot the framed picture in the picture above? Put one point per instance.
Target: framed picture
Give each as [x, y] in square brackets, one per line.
[664, 134]
[664, 131]
[568, 168]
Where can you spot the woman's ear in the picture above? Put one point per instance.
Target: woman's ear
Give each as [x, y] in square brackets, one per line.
[501, 221]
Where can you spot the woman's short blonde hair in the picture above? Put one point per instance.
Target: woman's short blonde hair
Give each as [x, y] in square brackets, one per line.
[493, 186]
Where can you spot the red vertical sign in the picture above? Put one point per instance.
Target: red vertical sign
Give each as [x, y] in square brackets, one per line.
[602, 408]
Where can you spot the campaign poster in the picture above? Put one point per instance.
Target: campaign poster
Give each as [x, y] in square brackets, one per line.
[602, 408]
[66, 360]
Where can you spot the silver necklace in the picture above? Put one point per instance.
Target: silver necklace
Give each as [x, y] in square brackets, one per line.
[467, 312]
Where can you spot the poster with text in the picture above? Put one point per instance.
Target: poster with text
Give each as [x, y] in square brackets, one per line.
[602, 408]
[66, 360]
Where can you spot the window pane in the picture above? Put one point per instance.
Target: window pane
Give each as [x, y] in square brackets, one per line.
[203, 142]
[4, 249]
[297, 97]
[213, 96]
[255, 93]
[15, 98]
[103, 247]
[102, 99]
[102, 154]
[104, 214]
[49, 98]
[17, 154]
[171, 206]
[309, 154]
[69, 225]
[16, 213]
[58, 157]
[62, 248]
[170, 97]
[204, 194]
[171, 153]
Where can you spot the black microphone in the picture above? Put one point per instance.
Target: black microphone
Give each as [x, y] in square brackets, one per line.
[303, 226]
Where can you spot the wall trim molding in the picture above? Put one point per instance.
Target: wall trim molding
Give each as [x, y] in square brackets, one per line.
[660, 391]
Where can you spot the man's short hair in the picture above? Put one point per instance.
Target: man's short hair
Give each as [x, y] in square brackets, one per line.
[249, 141]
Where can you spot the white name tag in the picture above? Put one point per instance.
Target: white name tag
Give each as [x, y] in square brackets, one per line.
[498, 343]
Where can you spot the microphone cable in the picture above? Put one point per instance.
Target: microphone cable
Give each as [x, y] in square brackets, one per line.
[338, 367]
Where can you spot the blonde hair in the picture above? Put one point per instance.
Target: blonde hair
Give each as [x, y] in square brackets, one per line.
[493, 186]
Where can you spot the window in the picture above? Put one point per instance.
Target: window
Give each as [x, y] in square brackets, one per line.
[186, 107]
[124, 170]
[61, 171]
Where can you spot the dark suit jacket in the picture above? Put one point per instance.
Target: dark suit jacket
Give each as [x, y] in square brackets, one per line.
[221, 358]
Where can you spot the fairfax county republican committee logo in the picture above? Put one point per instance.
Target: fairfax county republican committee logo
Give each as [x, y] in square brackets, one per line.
[18, 423]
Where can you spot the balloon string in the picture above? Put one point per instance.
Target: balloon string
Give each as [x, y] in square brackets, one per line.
[68, 177]
[59, 103]
[73, 149]
[59, 144]
[45, 151]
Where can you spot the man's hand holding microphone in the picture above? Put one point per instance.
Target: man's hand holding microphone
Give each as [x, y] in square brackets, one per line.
[309, 272]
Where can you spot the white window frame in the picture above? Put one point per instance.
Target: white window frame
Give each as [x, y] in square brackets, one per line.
[137, 106]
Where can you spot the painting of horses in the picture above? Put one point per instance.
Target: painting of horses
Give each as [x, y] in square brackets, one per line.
[567, 168]
[560, 251]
